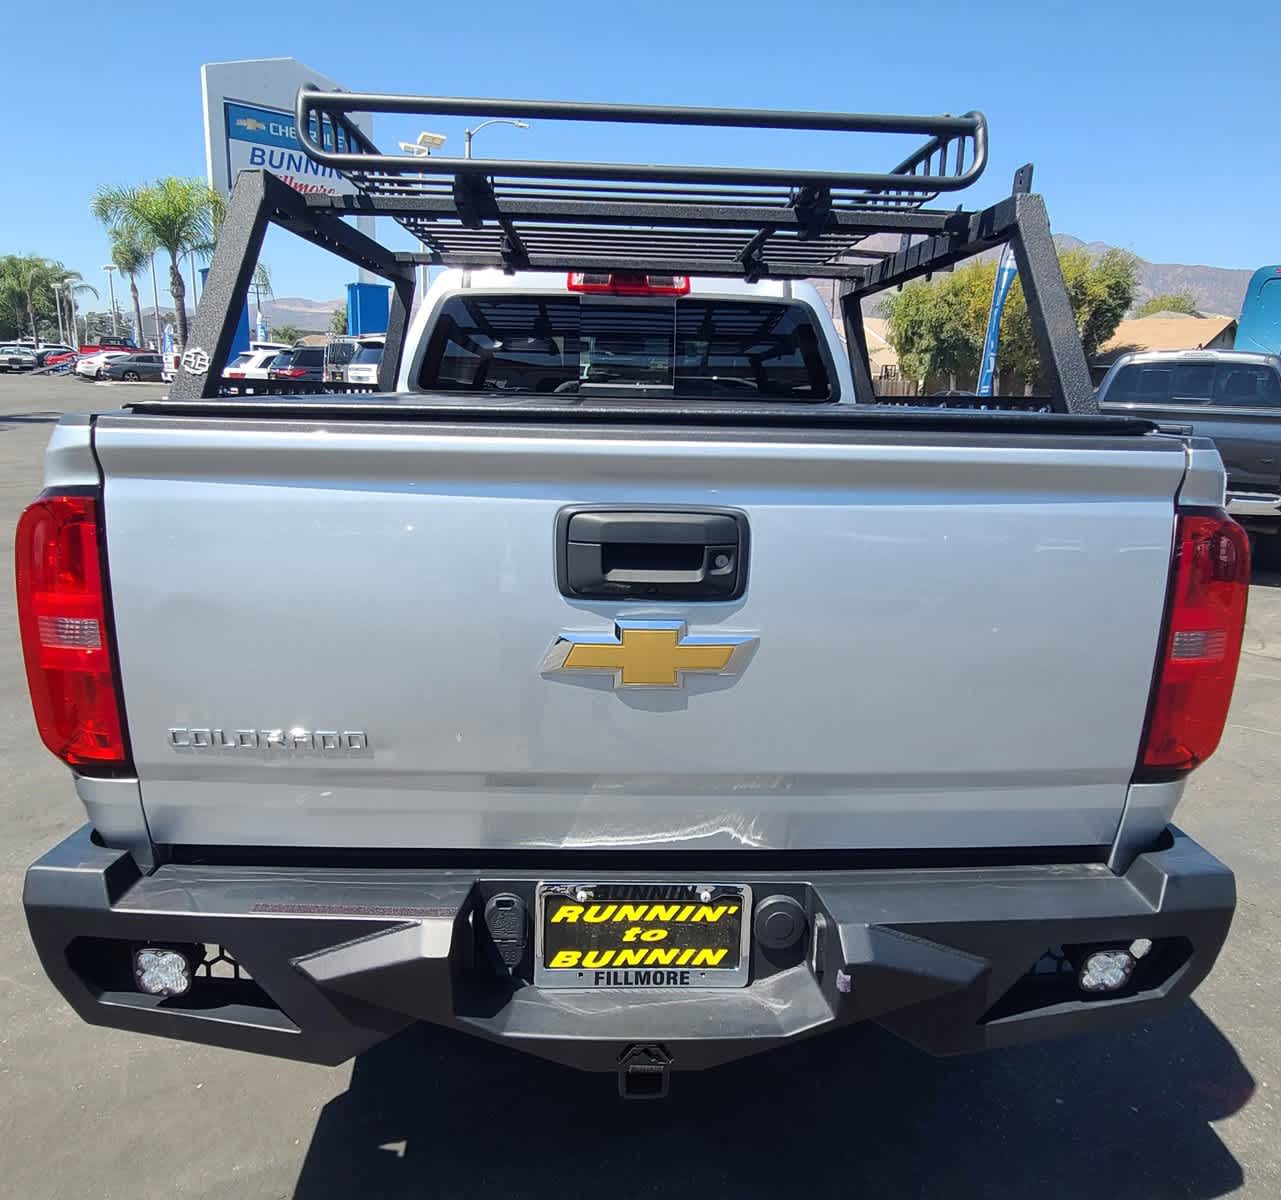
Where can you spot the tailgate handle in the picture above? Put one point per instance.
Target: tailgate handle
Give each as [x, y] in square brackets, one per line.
[652, 555]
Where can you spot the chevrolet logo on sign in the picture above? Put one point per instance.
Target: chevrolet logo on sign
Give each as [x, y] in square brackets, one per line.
[651, 654]
[250, 123]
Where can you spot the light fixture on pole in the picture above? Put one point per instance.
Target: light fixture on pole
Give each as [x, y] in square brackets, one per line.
[468, 134]
[110, 268]
[422, 148]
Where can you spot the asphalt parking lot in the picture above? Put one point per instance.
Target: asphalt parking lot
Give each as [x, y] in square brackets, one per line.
[1183, 1107]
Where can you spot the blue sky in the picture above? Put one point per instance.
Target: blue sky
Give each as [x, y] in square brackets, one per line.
[1154, 126]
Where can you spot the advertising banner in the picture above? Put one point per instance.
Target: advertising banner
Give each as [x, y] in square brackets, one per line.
[1005, 272]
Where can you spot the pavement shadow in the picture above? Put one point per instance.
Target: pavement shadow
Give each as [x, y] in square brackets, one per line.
[432, 1113]
[35, 418]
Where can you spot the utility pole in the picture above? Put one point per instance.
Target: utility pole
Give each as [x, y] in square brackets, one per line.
[110, 268]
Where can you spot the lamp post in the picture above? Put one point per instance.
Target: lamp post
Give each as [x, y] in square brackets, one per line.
[155, 302]
[468, 134]
[422, 148]
[57, 307]
[70, 289]
[110, 268]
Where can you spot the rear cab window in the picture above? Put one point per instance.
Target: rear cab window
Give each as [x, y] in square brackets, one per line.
[688, 347]
[1246, 385]
[1221, 384]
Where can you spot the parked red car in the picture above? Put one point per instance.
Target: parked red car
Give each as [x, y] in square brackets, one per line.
[108, 343]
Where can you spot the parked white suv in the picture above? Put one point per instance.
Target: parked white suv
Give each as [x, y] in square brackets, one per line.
[253, 363]
[90, 366]
[363, 367]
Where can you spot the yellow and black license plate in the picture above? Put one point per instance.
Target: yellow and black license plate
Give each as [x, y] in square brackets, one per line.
[646, 935]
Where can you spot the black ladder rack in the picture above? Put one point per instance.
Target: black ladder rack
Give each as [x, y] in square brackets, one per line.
[753, 223]
[705, 220]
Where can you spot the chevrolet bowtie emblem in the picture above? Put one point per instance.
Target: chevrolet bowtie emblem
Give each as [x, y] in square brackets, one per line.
[655, 654]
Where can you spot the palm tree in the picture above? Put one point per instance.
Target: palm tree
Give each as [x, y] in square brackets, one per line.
[67, 284]
[31, 287]
[26, 280]
[172, 214]
[261, 286]
[130, 252]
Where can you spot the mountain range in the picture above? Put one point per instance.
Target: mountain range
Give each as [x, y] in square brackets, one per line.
[311, 316]
[1214, 289]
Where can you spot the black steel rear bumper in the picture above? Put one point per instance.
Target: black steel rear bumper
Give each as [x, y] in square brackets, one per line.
[952, 959]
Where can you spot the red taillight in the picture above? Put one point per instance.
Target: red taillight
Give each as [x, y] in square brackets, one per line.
[65, 636]
[234, 374]
[616, 284]
[1204, 626]
[291, 372]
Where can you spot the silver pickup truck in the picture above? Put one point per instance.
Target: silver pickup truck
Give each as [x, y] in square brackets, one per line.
[620, 683]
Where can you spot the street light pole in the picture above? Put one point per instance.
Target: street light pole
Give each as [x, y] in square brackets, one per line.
[110, 268]
[57, 307]
[468, 134]
[155, 302]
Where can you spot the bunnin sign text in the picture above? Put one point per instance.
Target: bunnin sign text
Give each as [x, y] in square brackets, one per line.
[266, 139]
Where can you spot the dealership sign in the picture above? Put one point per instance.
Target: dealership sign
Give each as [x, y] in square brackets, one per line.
[249, 126]
[267, 139]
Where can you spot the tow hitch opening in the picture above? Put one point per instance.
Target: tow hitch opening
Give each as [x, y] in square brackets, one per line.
[644, 1072]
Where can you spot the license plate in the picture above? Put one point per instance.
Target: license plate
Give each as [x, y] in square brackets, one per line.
[642, 935]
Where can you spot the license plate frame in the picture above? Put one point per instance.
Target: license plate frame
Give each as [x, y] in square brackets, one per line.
[644, 976]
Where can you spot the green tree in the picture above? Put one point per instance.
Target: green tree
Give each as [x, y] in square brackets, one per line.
[131, 253]
[1178, 302]
[260, 286]
[71, 283]
[938, 328]
[288, 334]
[338, 322]
[98, 325]
[35, 295]
[26, 283]
[175, 215]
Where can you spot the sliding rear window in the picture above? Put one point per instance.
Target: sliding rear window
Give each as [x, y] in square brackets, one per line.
[683, 347]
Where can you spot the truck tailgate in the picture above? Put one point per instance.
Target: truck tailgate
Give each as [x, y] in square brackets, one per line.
[956, 636]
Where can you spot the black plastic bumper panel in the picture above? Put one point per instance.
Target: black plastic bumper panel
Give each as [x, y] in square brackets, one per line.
[341, 958]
